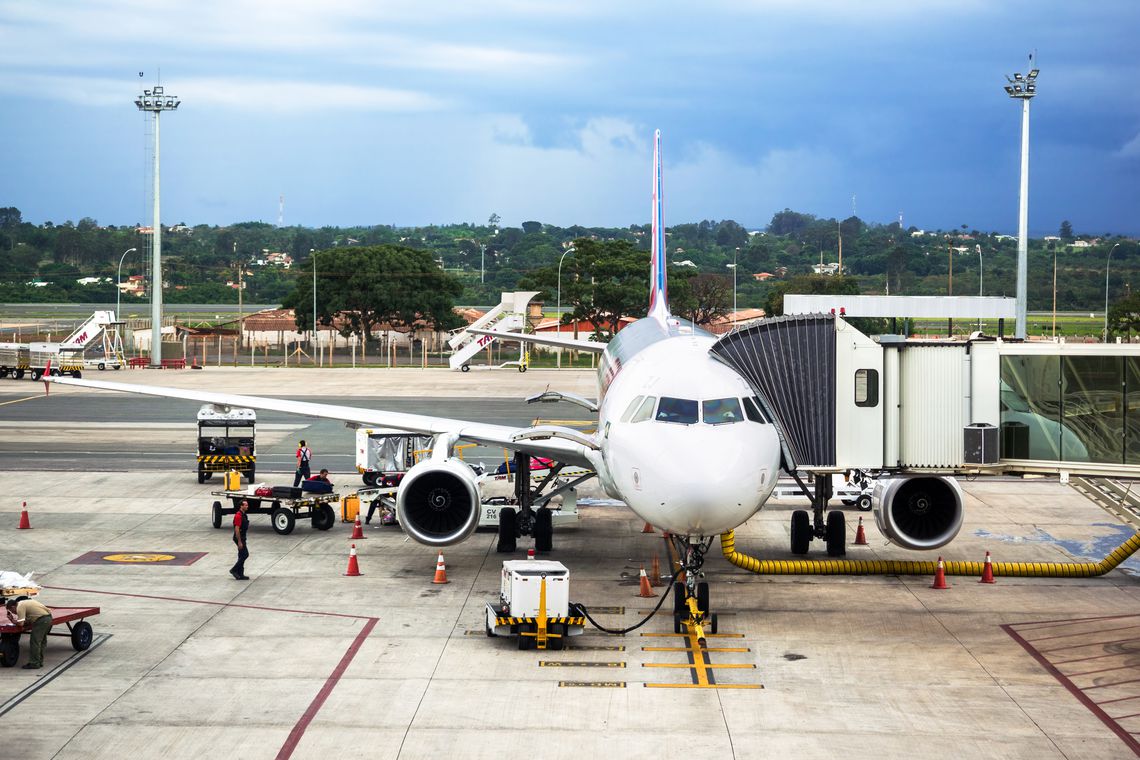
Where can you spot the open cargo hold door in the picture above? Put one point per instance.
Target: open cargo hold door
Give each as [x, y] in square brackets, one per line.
[790, 364]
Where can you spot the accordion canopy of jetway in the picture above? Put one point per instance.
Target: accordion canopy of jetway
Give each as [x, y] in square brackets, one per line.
[841, 400]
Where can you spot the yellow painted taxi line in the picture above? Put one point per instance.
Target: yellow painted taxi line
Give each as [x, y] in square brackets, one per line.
[703, 686]
[689, 649]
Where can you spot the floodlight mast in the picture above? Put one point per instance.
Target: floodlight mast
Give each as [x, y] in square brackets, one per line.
[155, 101]
[1023, 88]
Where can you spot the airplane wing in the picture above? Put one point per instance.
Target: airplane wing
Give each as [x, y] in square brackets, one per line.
[544, 340]
[569, 446]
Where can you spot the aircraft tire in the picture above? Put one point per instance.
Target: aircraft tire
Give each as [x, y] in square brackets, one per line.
[714, 623]
[836, 534]
[678, 625]
[801, 531]
[678, 599]
[543, 530]
[508, 532]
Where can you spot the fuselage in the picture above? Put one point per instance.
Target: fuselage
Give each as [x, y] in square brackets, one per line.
[682, 442]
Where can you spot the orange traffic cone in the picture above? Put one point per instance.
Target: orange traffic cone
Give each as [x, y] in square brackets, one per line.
[655, 572]
[988, 571]
[353, 565]
[645, 592]
[860, 536]
[440, 570]
[647, 529]
[25, 523]
[940, 576]
[357, 529]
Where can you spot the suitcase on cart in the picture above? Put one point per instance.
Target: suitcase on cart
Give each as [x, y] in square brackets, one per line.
[286, 492]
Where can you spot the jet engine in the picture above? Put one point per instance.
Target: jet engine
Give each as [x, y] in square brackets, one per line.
[438, 502]
[918, 511]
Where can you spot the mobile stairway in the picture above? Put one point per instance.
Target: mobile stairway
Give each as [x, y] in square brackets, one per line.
[509, 315]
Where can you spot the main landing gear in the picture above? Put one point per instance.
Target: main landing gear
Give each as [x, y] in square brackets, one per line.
[691, 597]
[527, 521]
[805, 527]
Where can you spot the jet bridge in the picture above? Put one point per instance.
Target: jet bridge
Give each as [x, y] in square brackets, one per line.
[843, 401]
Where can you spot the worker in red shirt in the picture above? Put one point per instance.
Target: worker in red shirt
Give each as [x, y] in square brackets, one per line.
[304, 456]
[241, 525]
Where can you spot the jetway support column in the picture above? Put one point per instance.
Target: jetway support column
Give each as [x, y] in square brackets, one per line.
[823, 494]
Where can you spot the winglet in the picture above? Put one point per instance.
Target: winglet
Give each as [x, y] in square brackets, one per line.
[658, 275]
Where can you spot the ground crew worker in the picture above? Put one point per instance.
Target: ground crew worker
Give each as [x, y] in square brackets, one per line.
[241, 525]
[35, 617]
[304, 456]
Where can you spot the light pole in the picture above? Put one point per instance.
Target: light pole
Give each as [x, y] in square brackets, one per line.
[119, 283]
[1023, 88]
[313, 256]
[155, 102]
[734, 256]
[981, 280]
[482, 258]
[1107, 261]
[569, 251]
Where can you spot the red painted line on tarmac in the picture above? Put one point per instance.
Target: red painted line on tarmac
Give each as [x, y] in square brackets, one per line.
[298, 731]
[1092, 706]
[1070, 635]
[1091, 644]
[1102, 670]
[1114, 683]
[1039, 624]
[210, 601]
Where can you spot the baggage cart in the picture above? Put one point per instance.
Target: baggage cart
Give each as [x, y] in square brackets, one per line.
[284, 512]
[78, 630]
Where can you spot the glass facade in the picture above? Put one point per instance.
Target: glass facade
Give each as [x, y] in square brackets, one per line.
[1071, 408]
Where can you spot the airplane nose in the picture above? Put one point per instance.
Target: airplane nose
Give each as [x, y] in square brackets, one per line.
[715, 478]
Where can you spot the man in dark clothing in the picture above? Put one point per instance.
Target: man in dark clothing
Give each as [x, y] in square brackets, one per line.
[36, 618]
[241, 525]
[304, 456]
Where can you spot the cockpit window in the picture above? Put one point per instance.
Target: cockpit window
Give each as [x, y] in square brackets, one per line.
[753, 411]
[645, 411]
[683, 411]
[721, 411]
[632, 408]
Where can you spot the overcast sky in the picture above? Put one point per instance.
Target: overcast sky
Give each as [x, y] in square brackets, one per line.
[413, 112]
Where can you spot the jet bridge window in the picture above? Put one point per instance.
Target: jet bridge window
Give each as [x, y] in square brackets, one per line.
[721, 411]
[682, 411]
[645, 411]
[866, 387]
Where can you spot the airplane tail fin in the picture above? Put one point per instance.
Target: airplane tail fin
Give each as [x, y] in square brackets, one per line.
[658, 276]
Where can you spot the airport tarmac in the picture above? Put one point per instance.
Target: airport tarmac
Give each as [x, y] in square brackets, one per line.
[302, 661]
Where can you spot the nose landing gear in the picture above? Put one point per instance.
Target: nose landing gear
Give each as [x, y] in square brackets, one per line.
[691, 596]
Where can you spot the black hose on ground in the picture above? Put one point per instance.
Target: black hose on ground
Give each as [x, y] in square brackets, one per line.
[622, 631]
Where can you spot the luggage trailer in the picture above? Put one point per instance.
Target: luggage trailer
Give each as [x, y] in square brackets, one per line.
[284, 508]
[78, 630]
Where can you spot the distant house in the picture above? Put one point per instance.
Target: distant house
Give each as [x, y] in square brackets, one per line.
[732, 320]
[829, 268]
[762, 276]
[1051, 238]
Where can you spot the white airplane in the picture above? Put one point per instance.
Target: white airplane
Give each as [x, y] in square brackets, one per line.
[681, 438]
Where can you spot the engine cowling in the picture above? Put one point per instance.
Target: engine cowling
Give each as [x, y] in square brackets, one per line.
[438, 502]
[918, 511]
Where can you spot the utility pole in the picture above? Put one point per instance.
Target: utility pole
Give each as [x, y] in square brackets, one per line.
[155, 102]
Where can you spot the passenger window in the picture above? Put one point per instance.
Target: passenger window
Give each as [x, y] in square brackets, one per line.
[645, 412]
[721, 411]
[682, 411]
[632, 408]
[866, 387]
[753, 412]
